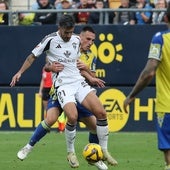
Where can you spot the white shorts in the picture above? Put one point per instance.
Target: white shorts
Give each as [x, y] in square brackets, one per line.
[73, 92]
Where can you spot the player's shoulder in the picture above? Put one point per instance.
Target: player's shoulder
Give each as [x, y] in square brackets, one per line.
[49, 37]
[90, 52]
[158, 37]
[76, 36]
[160, 34]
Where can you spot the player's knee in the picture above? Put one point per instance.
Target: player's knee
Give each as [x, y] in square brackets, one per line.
[72, 119]
[101, 114]
[50, 120]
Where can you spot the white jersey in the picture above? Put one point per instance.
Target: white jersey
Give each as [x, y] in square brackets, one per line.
[65, 53]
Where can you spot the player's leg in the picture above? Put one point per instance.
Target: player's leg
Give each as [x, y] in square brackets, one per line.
[92, 103]
[90, 123]
[89, 120]
[66, 98]
[70, 133]
[42, 129]
[45, 98]
[163, 131]
[45, 102]
[167, 158]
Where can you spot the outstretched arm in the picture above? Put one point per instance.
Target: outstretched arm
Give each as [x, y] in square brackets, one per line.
[27, 63]
[144, 79]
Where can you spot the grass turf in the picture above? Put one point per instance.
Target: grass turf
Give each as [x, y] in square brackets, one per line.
[133, 151]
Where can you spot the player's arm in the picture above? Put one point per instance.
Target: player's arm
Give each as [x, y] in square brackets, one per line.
[81, 66]
[89, 74]
[37, 51]
[27, 63]
[93, 80]
[53, 67]
[144, 79]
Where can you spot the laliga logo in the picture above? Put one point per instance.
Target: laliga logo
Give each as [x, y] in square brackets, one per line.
[112, 100]
[107, 52]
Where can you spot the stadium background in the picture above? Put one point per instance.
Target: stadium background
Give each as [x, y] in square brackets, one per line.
[122, 53]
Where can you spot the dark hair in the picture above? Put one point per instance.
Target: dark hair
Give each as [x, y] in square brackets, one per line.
[88, 28]
[168, 12]
[67, 21]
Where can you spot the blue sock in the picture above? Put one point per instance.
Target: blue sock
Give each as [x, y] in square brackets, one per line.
[39, 133]
[93, 138]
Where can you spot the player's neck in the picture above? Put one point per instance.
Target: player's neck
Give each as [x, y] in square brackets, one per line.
[83, 51]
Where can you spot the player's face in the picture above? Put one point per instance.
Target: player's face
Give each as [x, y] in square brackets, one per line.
[66, 33]
[87, 40]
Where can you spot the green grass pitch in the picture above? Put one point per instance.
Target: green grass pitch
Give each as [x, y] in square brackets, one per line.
[133, 151]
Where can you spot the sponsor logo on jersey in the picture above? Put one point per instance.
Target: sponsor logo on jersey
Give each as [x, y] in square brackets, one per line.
[61, 60]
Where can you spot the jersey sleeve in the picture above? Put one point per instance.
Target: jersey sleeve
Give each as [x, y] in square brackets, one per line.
[42, 46]
[156, 47]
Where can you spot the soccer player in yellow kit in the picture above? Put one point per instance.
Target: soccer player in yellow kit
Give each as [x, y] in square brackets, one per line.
[158, 65]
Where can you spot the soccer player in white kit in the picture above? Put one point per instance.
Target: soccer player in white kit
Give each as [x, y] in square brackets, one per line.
[63, 47]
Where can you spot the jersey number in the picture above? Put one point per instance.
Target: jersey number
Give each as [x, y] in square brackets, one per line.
[60, 95]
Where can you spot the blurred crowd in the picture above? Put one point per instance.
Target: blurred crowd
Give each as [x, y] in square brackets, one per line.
[122, 18]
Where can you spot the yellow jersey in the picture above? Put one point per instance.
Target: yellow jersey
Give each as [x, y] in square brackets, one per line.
[89, 59]
[160, 50]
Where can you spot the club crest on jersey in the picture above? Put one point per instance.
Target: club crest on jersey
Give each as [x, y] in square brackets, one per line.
[59, 80]
[74, 45]
[67, 54]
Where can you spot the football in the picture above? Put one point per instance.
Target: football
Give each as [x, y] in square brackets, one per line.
[92, 152]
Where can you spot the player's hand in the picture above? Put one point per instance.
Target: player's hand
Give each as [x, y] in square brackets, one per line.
[98, 82]
[127, 102]
[56, 67]
[15, 79]
[81, 65]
